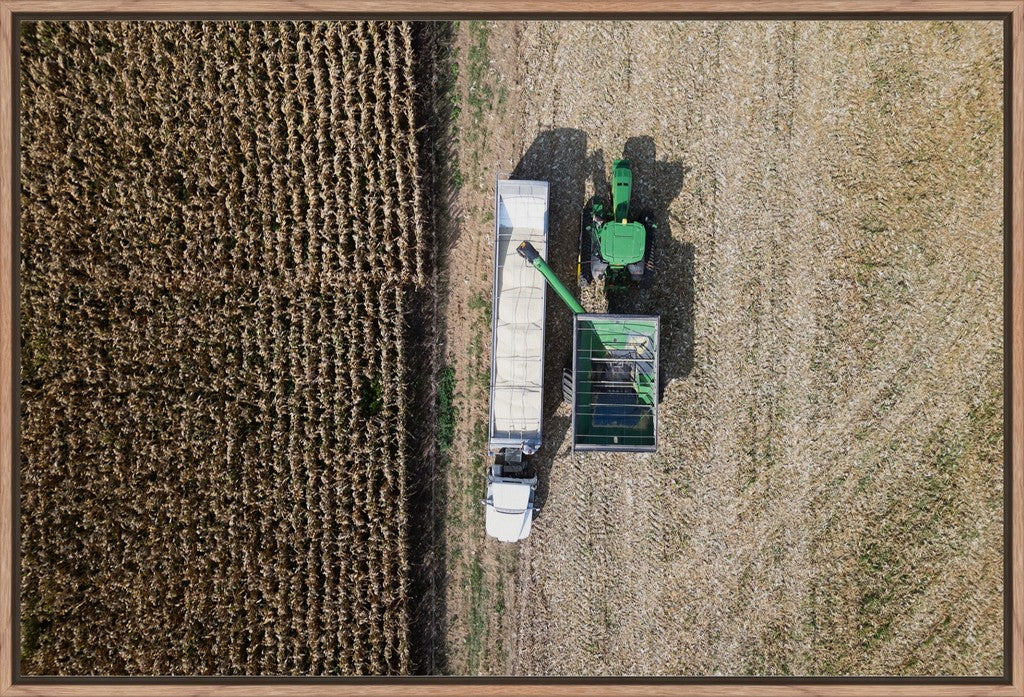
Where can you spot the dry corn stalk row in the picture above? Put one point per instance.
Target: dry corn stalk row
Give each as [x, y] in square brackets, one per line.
[221, 225]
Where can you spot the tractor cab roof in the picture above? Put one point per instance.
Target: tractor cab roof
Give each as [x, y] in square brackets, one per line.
[622, 243]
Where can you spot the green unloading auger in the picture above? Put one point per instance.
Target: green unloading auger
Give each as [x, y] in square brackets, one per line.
[526, 251]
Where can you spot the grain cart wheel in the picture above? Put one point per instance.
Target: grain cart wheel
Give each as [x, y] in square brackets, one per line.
[567, 385]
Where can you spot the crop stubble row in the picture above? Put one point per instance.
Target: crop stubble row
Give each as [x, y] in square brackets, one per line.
[221, 233]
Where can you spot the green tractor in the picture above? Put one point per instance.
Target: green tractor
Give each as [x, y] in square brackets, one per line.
[613, 246]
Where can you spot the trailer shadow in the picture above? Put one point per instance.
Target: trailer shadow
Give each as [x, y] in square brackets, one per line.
[559, 156]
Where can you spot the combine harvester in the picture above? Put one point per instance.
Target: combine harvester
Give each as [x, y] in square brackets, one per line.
[612, 384]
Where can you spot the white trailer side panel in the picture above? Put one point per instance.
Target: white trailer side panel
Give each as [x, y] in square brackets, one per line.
[517, 339]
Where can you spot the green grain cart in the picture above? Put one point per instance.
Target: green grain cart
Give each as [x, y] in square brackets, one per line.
[612, 383]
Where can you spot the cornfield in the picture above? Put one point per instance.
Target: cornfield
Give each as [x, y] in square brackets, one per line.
[222, 239]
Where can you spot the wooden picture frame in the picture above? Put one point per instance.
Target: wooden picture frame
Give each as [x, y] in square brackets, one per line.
[1011, 12]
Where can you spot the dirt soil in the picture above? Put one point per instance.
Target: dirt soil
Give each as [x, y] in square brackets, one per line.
[827, 495]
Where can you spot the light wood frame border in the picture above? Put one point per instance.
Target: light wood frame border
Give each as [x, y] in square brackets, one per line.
[1012, 13]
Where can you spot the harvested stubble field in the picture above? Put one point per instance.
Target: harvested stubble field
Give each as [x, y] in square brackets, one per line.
[221, 241]
[827, 496]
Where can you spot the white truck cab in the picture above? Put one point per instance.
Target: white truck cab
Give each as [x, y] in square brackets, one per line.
[509, 507]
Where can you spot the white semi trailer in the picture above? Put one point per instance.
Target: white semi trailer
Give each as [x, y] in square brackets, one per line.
[517, 358]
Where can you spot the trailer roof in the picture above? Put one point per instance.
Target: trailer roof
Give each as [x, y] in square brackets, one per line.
[517, 338]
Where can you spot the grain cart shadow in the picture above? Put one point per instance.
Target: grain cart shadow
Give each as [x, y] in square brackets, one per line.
[559, 157]
[669, 291]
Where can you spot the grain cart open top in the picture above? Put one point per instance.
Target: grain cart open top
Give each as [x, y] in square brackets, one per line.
[615, 382]
[517, 358]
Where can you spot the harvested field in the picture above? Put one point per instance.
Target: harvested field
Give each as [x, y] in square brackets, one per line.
[827, 496]
[222, 238]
